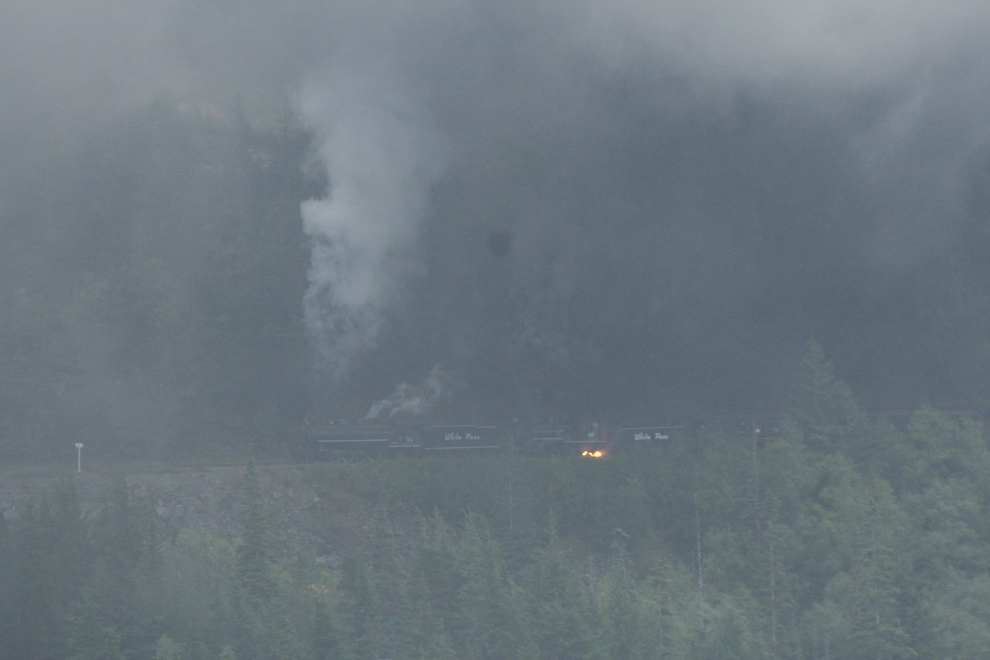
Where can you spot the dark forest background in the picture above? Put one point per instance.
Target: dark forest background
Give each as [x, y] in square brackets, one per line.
[153, 280]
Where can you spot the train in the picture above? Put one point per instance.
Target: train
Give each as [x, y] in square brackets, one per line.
[344, 442]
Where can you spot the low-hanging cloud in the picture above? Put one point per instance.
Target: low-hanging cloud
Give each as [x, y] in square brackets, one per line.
[647, 142]
[476, 93]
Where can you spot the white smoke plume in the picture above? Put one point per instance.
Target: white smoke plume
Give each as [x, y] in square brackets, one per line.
[382, 158]
[411, 399]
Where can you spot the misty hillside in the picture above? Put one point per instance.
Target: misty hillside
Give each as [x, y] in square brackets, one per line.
[516, 214]
[226, 225]
[840, 535]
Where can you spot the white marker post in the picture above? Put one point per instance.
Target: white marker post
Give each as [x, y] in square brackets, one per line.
[79, 447]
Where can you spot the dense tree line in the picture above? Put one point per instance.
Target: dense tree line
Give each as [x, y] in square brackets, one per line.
[841, 536]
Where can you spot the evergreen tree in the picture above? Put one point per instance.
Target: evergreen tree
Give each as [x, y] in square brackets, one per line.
[731, 636]
[437, 573]
[7, 630]
[942, 448]
[126, 579]
[958, 610]
[360, 609]
[562, 621]
[324, 641]
[91, 638]
[486, 604]
[389, 577]
[438, 646]
[629, 617]
[869, 537]
[824, 407]
[51, 560]
[254, 556]
[168, 649]
[272, 635]
[200, 607]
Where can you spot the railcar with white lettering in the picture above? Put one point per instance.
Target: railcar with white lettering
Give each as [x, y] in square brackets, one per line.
[635, 435]
[460, 438]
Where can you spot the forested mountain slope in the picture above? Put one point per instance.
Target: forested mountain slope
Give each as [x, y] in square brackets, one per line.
[155, 267]
[844, 537]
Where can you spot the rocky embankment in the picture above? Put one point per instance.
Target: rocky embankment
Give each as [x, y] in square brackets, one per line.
[305, 513]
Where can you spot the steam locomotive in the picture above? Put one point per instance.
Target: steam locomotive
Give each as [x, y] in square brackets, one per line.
[347, 443]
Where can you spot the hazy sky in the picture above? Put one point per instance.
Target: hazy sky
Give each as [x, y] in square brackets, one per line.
[104, 55]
